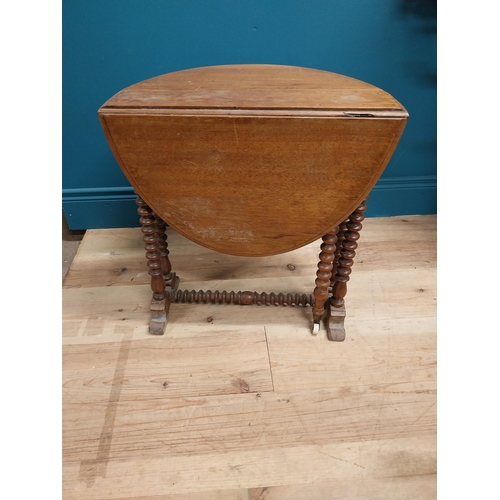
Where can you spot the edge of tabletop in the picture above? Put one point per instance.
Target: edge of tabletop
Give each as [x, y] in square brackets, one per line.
[263, 112]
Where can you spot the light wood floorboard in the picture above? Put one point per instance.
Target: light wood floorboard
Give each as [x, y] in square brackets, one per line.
[242, 402]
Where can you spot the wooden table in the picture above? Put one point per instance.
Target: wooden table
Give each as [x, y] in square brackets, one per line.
[253, 160]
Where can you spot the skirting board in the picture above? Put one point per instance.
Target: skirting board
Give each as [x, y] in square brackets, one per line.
[106, 208]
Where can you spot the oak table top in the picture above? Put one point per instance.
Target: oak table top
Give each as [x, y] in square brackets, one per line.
[253, 160]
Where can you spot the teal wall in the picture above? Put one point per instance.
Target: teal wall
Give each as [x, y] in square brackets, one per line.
[111, 44]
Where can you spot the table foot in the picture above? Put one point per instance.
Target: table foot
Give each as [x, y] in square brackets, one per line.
[335, 323]
[316, 328]
[159, 317]
[161, 308]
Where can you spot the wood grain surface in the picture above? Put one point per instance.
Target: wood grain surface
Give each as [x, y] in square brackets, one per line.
[242, 402]
[252, 185]
[253, 160]
[255, 86]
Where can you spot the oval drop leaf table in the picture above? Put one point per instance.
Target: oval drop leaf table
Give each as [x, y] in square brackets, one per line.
[253, 160]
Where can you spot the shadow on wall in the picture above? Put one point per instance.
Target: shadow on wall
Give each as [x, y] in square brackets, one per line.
[421, 8]
[425, 14]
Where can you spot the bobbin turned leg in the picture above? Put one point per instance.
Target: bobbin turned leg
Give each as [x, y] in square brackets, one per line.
[166, 267]
[323, 276]
[171, 280]
[160, 303]
[336, 306]
[340, 239]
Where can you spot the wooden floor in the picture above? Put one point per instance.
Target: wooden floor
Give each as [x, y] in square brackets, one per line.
[242, 402]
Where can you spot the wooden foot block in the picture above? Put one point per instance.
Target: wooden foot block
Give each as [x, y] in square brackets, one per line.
[335, 323]
[159, 317]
